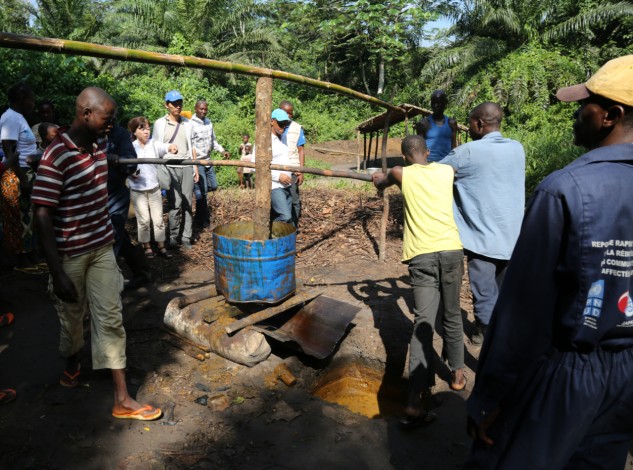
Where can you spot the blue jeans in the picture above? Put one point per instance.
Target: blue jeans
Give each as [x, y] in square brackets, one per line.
[434, 277]
[281, 205]
[210, 179]
[486, 275]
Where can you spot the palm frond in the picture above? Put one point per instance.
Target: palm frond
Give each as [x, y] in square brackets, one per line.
[585, 20]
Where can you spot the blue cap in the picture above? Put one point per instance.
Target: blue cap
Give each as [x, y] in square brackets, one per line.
[173, 95]
[280, 115]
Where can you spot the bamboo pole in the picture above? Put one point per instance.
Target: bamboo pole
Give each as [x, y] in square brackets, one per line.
[262, 225]
[237, 163]
[64, 46]
[385, 195]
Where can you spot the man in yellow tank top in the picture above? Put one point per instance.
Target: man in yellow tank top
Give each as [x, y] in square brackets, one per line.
[433, 251]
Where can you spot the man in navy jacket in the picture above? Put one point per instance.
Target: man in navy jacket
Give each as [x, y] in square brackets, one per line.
[554, 387]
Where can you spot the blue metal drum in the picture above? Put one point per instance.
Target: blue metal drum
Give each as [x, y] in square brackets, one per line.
[248, 270]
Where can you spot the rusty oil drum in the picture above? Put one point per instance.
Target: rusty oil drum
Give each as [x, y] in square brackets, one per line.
[248, 270]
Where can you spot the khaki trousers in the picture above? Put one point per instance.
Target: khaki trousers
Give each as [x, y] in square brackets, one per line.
[148, 206]
[99, 283]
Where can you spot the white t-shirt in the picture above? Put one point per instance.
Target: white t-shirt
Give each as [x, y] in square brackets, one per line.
[13, 126]
[147, 178]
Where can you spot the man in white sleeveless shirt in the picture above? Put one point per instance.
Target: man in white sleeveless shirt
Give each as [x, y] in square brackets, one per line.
[294, 138]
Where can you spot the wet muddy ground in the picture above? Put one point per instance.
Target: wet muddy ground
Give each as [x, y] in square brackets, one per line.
[341, 413]
[218, 413]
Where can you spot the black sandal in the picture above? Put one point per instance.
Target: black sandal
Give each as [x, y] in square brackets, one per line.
[164, 253]
[413, 422]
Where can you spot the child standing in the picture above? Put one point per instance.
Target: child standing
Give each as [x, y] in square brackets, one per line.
[248, 156]
[433, 251]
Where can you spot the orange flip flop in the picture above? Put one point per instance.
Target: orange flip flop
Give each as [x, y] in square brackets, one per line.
[6, 319]
[7, 395]
[70, 380]
[145, 413]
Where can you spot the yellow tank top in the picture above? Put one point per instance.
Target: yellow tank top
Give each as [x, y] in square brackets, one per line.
[429, 225]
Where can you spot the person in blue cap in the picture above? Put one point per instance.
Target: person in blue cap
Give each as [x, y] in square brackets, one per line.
[280, 197]
[176, 129]
[554, 386]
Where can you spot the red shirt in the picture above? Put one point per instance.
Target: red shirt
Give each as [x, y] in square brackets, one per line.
[74, 182]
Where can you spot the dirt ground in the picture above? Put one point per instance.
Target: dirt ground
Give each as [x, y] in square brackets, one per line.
[218, 414]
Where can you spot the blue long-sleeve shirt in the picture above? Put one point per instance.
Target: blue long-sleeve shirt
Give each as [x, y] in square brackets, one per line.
[489, 193]
[570, 279]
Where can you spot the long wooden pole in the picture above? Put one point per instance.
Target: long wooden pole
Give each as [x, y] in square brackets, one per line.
[385, 196]
[237, 163]
[262, 225]
[63, 46]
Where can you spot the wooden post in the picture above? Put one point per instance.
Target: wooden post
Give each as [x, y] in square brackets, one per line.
[376, 149]
[365, 151]
[371, 136]
[264, 154]
[385, 196]
[358, 151]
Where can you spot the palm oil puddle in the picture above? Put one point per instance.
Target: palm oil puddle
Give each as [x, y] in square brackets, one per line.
[363, 389]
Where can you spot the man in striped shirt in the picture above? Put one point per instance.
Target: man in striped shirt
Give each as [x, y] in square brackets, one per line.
[70, 197]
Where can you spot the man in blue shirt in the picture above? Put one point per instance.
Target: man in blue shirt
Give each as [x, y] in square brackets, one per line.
[554, 386]
[490, 200]
[439, 131]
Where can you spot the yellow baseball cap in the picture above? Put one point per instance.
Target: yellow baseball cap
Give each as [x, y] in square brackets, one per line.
[614, 80]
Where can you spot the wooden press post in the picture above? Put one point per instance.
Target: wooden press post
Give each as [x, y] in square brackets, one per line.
[357, 150]
[263, 156]
[385, 195]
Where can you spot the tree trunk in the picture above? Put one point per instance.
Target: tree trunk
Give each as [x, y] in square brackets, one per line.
[364, 77]
[264, 154]
[381, 76]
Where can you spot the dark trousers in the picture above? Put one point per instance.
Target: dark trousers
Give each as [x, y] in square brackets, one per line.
[202, 217]
[574, 411]
[434, 277]
[486, 276]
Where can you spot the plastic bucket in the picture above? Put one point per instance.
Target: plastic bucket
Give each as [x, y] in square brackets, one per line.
[248, 270]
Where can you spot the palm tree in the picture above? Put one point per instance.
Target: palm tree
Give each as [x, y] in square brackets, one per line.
[69, 19]
[487, 30]
[217, 29]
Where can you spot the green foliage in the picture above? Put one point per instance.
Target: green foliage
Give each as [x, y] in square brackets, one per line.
[547, 149]
[523, 83]
[512, 52]
[70, 19]
[14, 16]
[486, 31]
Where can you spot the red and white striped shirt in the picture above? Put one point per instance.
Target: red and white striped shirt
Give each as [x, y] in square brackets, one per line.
[74, 182]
